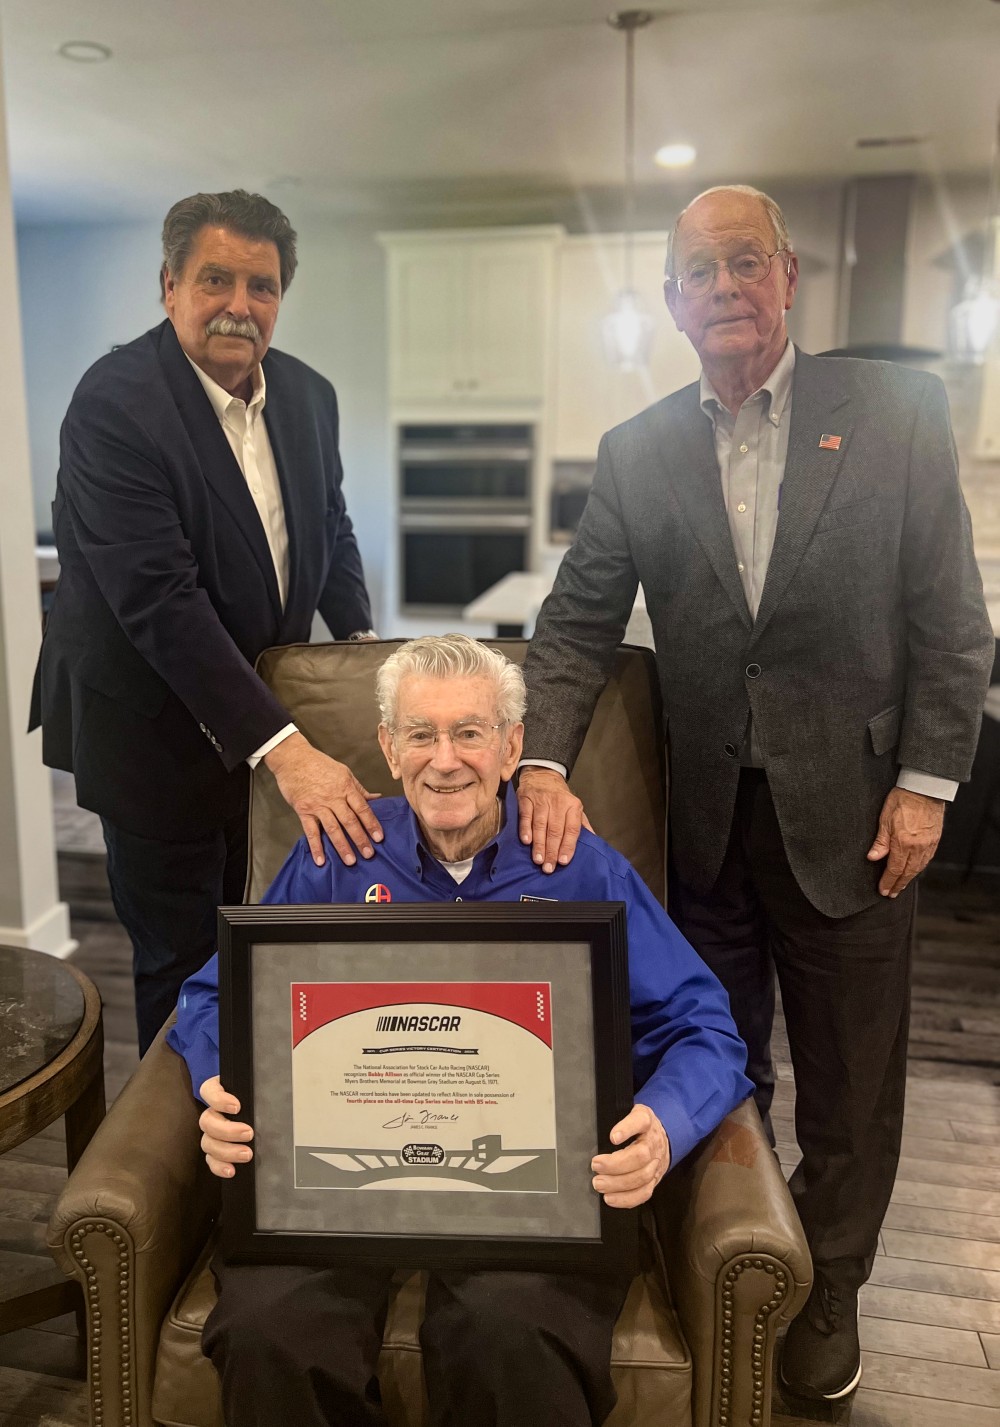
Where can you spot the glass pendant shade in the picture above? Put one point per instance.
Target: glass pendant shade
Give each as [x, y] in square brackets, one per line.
[627, 333]
[975, 321]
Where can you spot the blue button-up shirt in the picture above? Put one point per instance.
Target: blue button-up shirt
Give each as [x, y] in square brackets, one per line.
[687, 1058]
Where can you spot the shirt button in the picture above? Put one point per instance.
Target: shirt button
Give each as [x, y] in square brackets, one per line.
[753, 671]
[744, 448]
[740, 567]
[731, 749]
[741, 507]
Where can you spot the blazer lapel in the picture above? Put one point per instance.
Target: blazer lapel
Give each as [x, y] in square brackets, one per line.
[820, 407]
[218, 464]
[688, 446]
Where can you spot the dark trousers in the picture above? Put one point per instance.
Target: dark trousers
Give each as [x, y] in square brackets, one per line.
[845, 992]
[500, 1349]
[166, 895]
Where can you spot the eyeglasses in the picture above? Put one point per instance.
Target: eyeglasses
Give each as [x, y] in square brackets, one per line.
[468, 735]
[747, 268]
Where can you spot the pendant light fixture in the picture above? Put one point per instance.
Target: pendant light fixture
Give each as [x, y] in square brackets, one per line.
[975, 320]
[627, 331]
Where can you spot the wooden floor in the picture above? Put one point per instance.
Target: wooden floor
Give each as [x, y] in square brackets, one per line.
[930, 1325]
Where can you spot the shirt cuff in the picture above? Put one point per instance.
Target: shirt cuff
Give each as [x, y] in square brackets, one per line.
[286, 732]
[542, 763]
[929, 784]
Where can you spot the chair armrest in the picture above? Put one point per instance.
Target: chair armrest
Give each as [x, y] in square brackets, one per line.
[130, 1222]
[737, 1265]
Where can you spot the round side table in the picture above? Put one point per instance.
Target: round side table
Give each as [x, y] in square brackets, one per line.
[51, 1064]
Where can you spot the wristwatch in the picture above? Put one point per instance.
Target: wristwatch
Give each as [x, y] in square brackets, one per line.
[360, 634]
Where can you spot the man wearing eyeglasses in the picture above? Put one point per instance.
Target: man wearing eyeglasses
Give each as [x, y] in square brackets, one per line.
[799, 532]
[300, 1345]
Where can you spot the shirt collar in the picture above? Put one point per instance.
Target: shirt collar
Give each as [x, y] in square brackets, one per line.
[222, 400]
[778, 387]
[504, 846]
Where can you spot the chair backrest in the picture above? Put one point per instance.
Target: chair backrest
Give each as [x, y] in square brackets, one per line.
[329, 690]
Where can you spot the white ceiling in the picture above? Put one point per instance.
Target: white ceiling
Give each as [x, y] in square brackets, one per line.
[366, 106]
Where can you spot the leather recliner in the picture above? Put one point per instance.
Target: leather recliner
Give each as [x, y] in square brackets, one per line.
[725, 1262]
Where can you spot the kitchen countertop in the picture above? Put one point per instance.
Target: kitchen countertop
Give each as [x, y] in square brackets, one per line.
[517, 598]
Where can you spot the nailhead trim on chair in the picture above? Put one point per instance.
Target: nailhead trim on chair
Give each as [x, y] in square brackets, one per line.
[758, 1352]
[89, 1274]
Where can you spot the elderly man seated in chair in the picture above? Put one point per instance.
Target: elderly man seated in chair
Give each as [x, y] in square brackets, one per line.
[500, 1348]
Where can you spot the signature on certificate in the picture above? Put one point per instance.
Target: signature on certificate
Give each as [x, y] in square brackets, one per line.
[425, 1117]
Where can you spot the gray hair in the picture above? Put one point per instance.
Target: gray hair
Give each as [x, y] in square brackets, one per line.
[782, 238]
[440, 656]
[248, 214]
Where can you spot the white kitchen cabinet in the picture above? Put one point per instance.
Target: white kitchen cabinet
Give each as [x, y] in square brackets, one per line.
[587, 395]
[470, 316]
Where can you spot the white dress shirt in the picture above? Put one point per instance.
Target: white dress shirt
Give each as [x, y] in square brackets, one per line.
[246, 431]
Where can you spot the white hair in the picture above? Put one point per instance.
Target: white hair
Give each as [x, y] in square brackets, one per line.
[440, 656]
[782, 238]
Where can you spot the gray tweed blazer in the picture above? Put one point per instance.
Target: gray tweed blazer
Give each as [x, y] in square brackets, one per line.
[871, 647]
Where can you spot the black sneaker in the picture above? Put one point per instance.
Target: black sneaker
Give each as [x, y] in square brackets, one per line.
[822, 1356]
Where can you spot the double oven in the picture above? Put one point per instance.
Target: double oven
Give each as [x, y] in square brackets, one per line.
[465, 511]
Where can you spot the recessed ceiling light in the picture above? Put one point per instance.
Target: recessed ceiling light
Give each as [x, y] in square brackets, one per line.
[675, 156]
[85, 51]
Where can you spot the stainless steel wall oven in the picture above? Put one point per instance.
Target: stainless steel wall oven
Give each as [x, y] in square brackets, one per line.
[465, 499]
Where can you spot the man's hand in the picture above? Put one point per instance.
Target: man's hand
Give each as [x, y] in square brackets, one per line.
[628, 1177]
[224, 1141]
[909, 830]
[550, 816]
[324, 793]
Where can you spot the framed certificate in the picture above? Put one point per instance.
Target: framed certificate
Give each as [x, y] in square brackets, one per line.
[427, 1082]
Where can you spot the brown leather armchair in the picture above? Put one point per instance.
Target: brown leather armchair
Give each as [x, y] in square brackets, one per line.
[726, 1261]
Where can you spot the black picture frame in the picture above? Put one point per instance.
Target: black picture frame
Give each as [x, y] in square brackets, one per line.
[262, 950]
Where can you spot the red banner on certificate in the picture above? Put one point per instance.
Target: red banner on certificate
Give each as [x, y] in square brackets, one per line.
[526, 1003]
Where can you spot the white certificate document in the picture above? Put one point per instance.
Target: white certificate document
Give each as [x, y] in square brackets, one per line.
[424, 1085]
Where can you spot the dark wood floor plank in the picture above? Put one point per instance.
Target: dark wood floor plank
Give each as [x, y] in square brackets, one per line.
[26, 1204]
[964, 1176]
[991, 1347]
[951, 1095]
[894, 1409]
[943, 1221]
[31, 1397]
[52, 1354]
[947, 1382]
[924, 1341]
[16, 1173]
[946, 1196]
[43, 1151]
[954, 1151]
[985, 1132]
[960, 1281]
[937, 1248]
[927, 1128]
[22, 1236]
[907, 1305]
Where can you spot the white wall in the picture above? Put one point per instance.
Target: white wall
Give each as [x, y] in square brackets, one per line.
[82, 290]
[86, 287]
[31, 914]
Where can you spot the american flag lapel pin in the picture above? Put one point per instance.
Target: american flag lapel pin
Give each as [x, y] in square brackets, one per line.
[830, 443]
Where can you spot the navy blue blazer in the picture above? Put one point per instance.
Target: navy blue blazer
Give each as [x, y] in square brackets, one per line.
[167, 593]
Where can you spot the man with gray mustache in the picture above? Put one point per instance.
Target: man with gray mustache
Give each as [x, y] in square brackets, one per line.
[200, 518]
